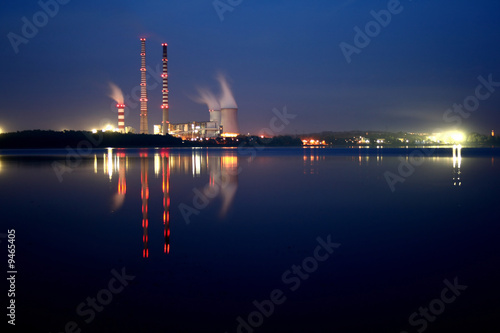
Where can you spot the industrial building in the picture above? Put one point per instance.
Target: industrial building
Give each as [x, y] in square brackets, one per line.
[222, 123]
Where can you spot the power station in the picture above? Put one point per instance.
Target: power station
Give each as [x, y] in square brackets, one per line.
[222, 123]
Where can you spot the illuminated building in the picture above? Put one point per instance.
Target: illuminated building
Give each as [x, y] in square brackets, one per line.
[311, 142]
[195, 130]
[157, 129]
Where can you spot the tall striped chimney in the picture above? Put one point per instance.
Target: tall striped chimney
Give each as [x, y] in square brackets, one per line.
[121, 117]
[165, 122]
[144, 93]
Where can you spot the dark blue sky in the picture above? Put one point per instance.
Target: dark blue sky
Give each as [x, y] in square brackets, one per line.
[275, 53]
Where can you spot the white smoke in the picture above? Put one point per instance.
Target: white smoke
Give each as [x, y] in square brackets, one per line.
[226, 98]
[205, 96]
[116, 93]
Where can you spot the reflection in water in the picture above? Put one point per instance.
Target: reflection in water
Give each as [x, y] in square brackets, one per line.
[166, 199]
[119, 197]
[110, 163]
[312, 156]
[157, 165]
[222, 171]
[457, 162]
[145, 198]
[229, 175]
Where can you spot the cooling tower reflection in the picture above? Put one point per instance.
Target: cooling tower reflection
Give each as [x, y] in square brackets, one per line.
[222, 180]
[229, 181]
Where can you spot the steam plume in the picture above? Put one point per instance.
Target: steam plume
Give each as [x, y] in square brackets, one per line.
[226, 99]
[205, 96]
[116, 93]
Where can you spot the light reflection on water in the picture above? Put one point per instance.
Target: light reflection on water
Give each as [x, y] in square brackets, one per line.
[222, 171]
[256, 218]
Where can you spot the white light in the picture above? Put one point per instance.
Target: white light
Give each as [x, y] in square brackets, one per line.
[457, 137]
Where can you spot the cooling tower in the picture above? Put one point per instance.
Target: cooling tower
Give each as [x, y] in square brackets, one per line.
[229, 122]
[215, 116]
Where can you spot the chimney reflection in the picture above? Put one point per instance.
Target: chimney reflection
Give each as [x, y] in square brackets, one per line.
[222, 172]
[119, 197]
[122, 182]
[166, 199]
[144, 197]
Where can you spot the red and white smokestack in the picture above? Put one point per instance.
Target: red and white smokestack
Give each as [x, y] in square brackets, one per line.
[121, 117]
[165, 122]
[144, 93]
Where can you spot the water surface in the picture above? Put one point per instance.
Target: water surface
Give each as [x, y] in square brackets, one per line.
[203, 233]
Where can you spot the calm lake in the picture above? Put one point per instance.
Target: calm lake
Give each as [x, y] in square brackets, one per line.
[274, 240]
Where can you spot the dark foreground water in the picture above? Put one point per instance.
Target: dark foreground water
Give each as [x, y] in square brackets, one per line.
[217, 240]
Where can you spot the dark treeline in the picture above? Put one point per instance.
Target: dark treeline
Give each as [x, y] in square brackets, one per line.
[277, 141]
[83, 139]
[390, 138]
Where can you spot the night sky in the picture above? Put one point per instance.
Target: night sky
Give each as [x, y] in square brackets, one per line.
[274, 53]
